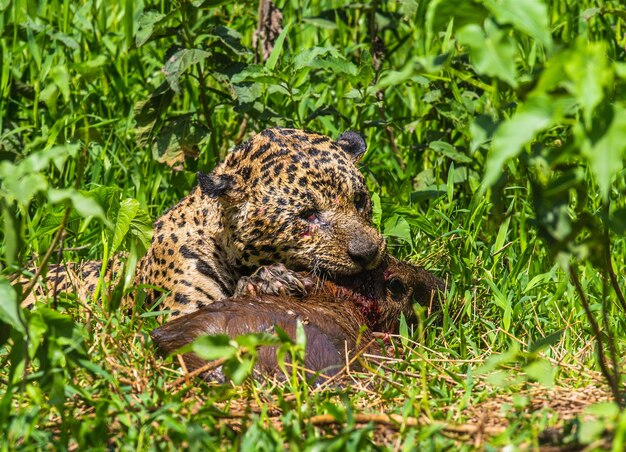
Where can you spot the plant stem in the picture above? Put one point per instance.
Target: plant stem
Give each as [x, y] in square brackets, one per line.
[611, 271]
[606, 372]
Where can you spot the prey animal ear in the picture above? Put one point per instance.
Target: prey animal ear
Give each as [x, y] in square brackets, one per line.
[352, 143]
[216, 185]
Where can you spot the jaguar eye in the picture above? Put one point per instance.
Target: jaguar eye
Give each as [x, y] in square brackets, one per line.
[397, 288]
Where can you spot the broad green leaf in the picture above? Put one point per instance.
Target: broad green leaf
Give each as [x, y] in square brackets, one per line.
[606, 155]
[230, 38]
[338, 65]
[107, 197]
[214, 347]
[620, 69]
[61, 77]
[148, 22]
[588, 72]
[539, 113]
[432, 96]
[394, 78]
[133, 225]
[591, 430]
[126, 213]
[254, 73]
[148, 113]
[39, 161]
[307, 56]
[541, 371]
[9, 306]
[238, 370]
[482, 129]
[179, 63]
[367, 73]
[441, 12]
[24, 188]
[324, 58]
[397, 226]
[282, 335]
[37, 332]
[604, 409]
[182, 137]
[65, 39]
[528, 16]
[617, 221]
[85, 206]
[441, 147]
[492, 51]
[499, 378]
[50, 96]
[247, 94]
[254, 340]
[93, 67]
[141, 230]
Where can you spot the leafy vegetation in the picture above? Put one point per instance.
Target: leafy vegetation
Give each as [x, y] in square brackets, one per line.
[496, 131]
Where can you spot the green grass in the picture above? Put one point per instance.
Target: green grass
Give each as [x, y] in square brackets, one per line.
[496, 145]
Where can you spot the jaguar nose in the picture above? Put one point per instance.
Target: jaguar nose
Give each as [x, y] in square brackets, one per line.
[363, 251]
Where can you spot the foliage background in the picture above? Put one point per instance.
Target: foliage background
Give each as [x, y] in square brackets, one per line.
[496, 133]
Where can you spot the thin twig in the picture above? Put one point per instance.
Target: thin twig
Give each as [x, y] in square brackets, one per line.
[611, 270]
[611, 343]
[396, 420]
[613, 346]
[181, 361]
[209, 366]
[598, 336]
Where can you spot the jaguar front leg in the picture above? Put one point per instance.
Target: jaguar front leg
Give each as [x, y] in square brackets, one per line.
[276, 280]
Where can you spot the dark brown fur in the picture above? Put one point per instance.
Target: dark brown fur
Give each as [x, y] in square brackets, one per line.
[332, 317]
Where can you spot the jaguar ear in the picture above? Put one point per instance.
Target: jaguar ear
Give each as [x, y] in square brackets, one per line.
[353, 143]
[216, 185]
